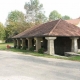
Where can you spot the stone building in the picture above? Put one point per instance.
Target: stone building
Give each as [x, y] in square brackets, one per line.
[56, 37]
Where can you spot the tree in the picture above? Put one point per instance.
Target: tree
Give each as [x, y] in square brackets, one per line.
[34, 11]
[41, 18]
[54, 15]
[15, 23]
[66, 17]
[16, 16]
[2, 31]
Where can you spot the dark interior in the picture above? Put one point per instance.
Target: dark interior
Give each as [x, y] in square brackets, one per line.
[62, 44]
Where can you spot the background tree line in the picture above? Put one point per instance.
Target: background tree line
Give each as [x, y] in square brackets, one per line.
[17, 21]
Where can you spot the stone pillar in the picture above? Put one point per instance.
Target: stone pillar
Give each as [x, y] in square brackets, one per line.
[15, 43]
[74, 47]
[38, 43]
[23, 43]
[29, 43]
[50, 45]
[18, 43]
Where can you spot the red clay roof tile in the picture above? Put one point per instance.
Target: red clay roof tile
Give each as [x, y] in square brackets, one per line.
[74, 21]
[53, 28]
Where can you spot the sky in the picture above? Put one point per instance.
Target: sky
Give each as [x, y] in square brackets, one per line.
[64, 7]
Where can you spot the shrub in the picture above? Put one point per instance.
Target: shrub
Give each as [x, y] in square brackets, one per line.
[9, 40]
[41, 50]
[24, 48]
[32, 49]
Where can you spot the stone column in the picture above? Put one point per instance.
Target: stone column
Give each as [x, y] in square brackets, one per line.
[15, 43]
[18, 43]
[50, 45]
[29, 43]
[74, 47]
[38, 43]
[23, 43]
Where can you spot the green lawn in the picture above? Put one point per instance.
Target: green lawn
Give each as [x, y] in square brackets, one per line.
[3, 46]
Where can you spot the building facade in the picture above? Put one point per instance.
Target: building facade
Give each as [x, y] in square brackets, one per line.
[56, 37]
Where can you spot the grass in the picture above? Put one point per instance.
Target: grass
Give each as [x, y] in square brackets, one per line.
[3, 46]
[74, 58]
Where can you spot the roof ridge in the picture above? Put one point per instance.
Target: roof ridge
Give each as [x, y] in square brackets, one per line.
[55, 26]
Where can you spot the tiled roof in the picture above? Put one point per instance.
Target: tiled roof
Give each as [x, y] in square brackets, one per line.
[24, 32]
[53, 28]
[74, 21]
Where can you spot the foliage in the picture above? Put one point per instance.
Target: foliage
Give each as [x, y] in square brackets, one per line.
[54, 15]
[16, 16]
[34, 11]
[41, 18]
[41, 50]
[2, 31]
[66, 17]
[9, 40]
[24, 48]
[15, 24]
[31, 49]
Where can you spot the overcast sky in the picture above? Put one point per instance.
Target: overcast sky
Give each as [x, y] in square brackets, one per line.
[64, 7]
